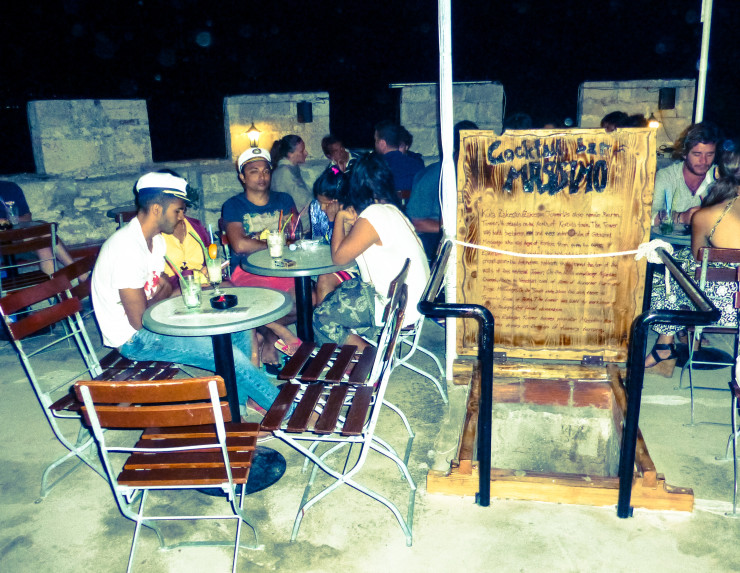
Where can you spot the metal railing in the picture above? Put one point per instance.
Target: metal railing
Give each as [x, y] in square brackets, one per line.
[706, 314]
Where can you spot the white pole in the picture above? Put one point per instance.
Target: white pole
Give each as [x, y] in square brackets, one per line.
[706, 18]
[448, 179]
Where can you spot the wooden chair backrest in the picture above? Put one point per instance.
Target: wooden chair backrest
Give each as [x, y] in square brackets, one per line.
[78, 268]
[709, 255]
[394, 288]
[27, 239]
[154, 403]
[37, 319]
[222, 232]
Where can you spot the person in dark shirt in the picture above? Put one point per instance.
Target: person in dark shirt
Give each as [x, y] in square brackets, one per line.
[11, 193]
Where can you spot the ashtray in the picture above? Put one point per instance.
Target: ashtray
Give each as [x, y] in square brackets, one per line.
[224, 301]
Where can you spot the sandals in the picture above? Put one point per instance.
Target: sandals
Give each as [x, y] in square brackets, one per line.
[288, 349]
[663, 366]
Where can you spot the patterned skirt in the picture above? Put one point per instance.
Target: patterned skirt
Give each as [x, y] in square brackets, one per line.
[720, 293]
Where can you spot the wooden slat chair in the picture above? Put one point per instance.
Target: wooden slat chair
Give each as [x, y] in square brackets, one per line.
[410, 336]
[347, 406]
[58, 401]
[32, 353]
[703, 274]
[20, 271]
[187, 445]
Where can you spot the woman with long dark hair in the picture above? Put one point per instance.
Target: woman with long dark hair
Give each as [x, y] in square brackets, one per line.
[371, 229]
[288, 154]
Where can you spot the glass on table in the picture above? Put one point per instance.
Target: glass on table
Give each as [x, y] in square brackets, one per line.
[275, 242]
[190, 289]
[215, 273]
[665, 221]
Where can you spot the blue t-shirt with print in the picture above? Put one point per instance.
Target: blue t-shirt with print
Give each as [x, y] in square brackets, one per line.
[257, 218]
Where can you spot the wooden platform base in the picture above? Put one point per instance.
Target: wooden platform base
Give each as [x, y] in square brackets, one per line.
[562, 488]
[649, 488]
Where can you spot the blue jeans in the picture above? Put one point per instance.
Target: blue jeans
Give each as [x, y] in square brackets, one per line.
[198, 351]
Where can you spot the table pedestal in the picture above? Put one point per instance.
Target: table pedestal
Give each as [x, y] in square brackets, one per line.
[304, 309]
[223, 356]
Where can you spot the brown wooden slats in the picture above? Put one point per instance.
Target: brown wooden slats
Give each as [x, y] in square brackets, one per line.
[26, 246]
[717, 274]
[167, 415]
[144, 391]
[318, 363]
[235, 429]
[296, 362]
[24, 280]
[361, 371]
[180, 476]
[233, 443]
[355, 420]
[341, 363]
[42, 318]
[200, 459]
[280, 406]
[328, 420]
[114, 359]
[67, 402]
[302, 414]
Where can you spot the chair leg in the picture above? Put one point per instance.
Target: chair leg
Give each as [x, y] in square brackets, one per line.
[734, 455]
[80, 449]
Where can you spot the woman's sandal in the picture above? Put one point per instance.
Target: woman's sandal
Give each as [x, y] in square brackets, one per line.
[663, 366]
[288, 349]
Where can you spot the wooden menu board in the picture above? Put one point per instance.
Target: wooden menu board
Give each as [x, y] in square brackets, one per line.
[554, 192]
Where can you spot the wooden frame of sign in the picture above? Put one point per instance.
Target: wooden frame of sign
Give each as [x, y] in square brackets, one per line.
[551, 197]
[547, 198]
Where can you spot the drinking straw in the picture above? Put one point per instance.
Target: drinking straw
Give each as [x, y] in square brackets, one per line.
[200, 242]
[174, 268]
[298, 218]
[280, 222]
[667, 203]
[210, 230]
[282, 229]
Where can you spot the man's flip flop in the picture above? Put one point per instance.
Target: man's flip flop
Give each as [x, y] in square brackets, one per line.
[288, 349]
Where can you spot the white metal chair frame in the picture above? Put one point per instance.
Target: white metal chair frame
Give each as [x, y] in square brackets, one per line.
[19, 328]
[210, 412]
[370, 394]
[695, 333]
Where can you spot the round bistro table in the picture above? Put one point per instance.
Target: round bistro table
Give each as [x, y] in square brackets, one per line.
[255, 307]
[308, 262]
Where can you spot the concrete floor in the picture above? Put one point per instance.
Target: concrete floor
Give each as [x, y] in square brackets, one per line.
[78, 527]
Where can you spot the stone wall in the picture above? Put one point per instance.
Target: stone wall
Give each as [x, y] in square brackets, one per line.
[596, 99]
[79, 205]
[275, 115]
[88, 138]
[481, 102]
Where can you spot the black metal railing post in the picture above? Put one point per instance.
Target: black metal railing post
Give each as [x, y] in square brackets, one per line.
[483, 316]
[707, 313]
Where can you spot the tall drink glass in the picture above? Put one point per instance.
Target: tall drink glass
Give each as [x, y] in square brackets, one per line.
[215, 273]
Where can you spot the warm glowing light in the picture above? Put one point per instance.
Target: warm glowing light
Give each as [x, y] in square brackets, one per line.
[254, 135]
[653, 122]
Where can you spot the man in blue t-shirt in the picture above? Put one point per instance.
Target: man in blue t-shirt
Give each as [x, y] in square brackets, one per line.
[248, 214]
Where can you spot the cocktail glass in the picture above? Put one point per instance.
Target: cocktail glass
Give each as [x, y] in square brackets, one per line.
[215, 273]
[666, 222]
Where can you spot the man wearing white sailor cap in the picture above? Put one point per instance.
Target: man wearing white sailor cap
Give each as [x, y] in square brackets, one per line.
[127, 279]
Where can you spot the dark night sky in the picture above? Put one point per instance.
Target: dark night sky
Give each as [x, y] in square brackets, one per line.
[184, 56]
